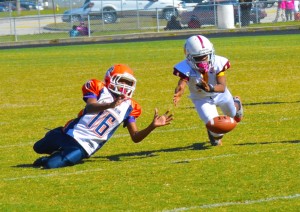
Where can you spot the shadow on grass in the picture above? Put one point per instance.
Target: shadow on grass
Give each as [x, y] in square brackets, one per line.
[269, 103]
[136, 155]
[259, 103]
[263, 143]
[30, 165]
[153, 153]
[24, 166]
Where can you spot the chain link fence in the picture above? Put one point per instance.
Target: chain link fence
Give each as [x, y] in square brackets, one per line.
[51, 21]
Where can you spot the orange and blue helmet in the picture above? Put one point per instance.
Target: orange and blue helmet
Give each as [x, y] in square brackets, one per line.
[119, 80]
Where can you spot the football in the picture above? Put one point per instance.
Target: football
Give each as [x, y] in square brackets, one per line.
[221, 124]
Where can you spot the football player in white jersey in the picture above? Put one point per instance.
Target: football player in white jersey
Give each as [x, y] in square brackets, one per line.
[108, 105]
[204, 73]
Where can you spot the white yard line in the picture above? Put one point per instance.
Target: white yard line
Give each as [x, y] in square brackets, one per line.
[51, 175]
[246, 202]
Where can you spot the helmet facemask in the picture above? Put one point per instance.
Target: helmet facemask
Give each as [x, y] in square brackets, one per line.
[122, 84]
[201, 63]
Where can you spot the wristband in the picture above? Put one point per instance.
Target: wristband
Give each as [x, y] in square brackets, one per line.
[211, 88]
[200, 86]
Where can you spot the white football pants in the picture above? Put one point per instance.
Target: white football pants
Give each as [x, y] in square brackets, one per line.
[207, 107]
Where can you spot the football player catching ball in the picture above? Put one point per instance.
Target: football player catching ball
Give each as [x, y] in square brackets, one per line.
[108, 105]
[204, 73]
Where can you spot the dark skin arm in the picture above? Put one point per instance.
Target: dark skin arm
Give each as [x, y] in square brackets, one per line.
[158, 121]
[219, 87]
[179, 90]
[93, 106]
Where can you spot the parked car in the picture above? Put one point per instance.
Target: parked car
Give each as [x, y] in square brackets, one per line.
[31, 5]
[190, 4]
[109, 11]
[3, 8]
[267, 3]
[10, 6]
[207, 14]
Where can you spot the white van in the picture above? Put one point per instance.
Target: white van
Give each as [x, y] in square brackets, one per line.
[111, 10]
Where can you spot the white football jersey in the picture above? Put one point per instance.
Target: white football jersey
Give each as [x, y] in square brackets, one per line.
[91, 131]
[184, 71]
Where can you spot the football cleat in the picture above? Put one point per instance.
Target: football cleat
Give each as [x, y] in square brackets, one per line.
[40, 161]
[239, 113]
[213, 140]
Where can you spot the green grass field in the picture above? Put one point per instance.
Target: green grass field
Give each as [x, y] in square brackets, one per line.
[175, 168]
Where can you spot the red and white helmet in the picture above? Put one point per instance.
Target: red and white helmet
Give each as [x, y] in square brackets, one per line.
[119, 80]
[197, 46]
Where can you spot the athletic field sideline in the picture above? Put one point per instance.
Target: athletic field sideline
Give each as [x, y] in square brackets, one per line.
[280, 30]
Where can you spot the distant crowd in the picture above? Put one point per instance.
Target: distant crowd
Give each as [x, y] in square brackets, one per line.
[174, 24]
[287, 10]
[80, 30]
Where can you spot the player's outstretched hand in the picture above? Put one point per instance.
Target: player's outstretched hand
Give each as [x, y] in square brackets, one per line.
[162, 120]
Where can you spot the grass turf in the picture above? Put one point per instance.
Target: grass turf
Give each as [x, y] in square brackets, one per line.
[175, 168]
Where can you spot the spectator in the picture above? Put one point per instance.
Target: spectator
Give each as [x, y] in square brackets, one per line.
[289, 10]
[74, 32]
[280, 11]
[194, 23]
[173, 24]
[245, 6]
[296, 4]
[83, 29]
[297, 14]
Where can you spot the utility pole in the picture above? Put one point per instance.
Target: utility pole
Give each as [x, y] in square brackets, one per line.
[18, 7]
[54, 13]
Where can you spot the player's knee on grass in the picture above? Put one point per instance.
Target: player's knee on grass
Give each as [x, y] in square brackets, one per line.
[50, 142]
[40, 148]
